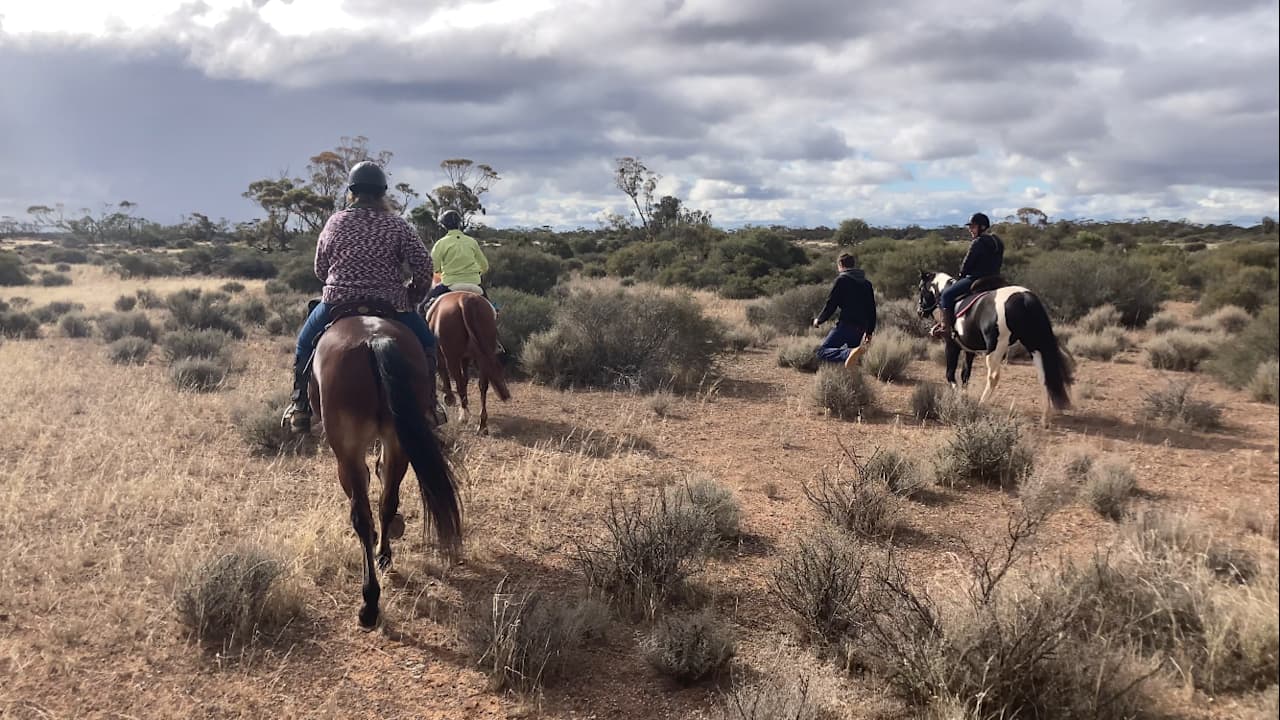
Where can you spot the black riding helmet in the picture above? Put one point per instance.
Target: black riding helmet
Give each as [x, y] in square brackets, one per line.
[450, 220]
[367, 177]
[980, 220]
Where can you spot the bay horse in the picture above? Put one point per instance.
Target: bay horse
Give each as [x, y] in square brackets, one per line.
[988, 322]
[466, 326]
[372, 383]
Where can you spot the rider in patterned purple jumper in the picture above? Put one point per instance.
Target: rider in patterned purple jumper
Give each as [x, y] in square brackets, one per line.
[359, 257]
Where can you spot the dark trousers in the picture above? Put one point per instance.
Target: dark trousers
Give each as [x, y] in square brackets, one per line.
[841, 335]
[954, 292]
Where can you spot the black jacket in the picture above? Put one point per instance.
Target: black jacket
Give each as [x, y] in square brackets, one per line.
[853, 295]
[985, 257]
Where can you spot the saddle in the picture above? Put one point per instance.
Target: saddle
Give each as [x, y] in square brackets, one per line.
[981, 287]
[366, 308]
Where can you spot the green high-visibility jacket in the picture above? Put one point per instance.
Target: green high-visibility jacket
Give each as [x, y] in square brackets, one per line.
[458, 259]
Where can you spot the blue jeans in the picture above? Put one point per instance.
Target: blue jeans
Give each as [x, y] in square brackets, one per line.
[833, 349]
[953, 292]
[319, 318]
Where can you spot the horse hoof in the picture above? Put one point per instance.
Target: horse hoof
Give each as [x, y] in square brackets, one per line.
[395, 528]
[384, 561]
[368, 617]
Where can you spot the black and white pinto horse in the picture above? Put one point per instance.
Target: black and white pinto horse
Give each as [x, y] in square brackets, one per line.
[990, 324]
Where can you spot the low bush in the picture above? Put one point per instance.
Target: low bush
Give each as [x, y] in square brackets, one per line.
[1174, 406]
[792, 311]
[259, 427]
[52, 312]
[129, 350]
[114, 326]
[1265, 386]
[195, 310]
[689, 647]
[525, 641]
[1229, 319]
[198, 374]
[18, 325]
[236, 597]
[621, 339]
[1102, 345]
[1109, 486]
[842, 394]
[712, 499]
[75, 325]
[521, 315]
[525, 269]
[206, 344]
[820, 583]
[889, 355]
[1099, 319]
[1180, 350]
[1236, 360]
[799, 353]
[648, 554]
[126, 303]
[54, 279]
[990, 450]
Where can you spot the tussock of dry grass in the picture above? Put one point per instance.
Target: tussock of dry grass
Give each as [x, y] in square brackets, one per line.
[842, 394]
[1180, 350]
[690, 647]
[1174, 406]
[1109, 486]
[798, 353]
[987, 451]
[236, 597]
[527, 640]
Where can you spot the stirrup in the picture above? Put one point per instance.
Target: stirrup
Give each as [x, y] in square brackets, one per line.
[297, 419]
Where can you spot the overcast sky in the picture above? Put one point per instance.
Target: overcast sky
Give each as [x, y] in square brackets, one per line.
[801, 112]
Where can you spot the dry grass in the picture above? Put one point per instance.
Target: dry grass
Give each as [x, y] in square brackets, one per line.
[689, 647]
[1174, 406]
[1099, 319]
[842, 394]
[237, 597]
[890, 354]
[798, 353]
[1102, 345]
[988, 451]
[1109, 486]
[1265, 386]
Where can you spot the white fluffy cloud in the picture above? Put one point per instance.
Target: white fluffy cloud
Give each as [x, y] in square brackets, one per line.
[802, 112]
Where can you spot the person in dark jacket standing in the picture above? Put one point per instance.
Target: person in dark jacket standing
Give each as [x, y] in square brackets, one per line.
[984, 259]
[853, 295]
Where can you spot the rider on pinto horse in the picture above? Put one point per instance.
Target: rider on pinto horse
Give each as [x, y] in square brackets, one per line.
[359, 256]
[984, 259]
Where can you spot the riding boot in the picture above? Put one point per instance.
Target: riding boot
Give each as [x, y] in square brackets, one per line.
[944, 328]
[298, 416]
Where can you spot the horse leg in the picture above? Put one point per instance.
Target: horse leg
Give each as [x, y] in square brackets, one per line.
[459, 372]
[1038, 360]
[967, 371]
[953, 358]
[483, 382]
[354, 476]
[394, 464]
[995, 360]
[442, 374]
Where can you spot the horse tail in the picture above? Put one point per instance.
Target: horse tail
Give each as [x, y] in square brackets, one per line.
[1056, 366]
[485, 352]
[419, 443]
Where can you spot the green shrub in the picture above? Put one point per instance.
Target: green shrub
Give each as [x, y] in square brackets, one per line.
[198, 374]
[799, 353]
[251, 268]
[1098, 346]
[621, 339]
[12, 270]
[206, 344]
[689, 647]
[1229, 319]
[901, 315]
[525, 641]
[855, 501]
[842, 394]
[1248, 287]
[235, 597]
[194, 310]
[897, 471]
[54, 279]
[275, 325]
[145, 266]
[232, 287]
[251, 310]
[792, 311]
[129, 350]
[66, 256]
[520, 316]
[649, 552]
[53, 311]
[889, 355]
[302, 278]
[1235, 361]
[522, 268]
[1180, 350]
[276, 287]
[820, 583]
[1073, 283]
[894, 266]
[926, 401]
[114, 326]
[1265, 386]
[706, 496]
[1174, 406]
[1109, 486]
[990, 450]
[1099, 319]
[75, 325]
[148, 299]
[19, 325]
[126, 303]
[1164, 321]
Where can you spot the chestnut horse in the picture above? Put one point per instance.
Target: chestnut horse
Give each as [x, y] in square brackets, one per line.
[372, 383]
[467, 328]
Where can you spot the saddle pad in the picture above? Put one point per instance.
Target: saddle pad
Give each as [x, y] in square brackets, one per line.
[968, 303]
[467, 288]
